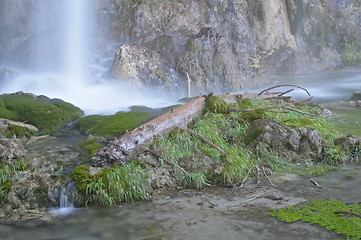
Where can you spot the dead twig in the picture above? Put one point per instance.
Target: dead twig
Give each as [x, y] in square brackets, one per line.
[251, 199]
[348, 212]
[167, 161]
[246, 177]
[206, 141]
[271, 107]
[315, 183]
[264, 172]
[284, 85]
[298, 111]
[254, 109]
[284, 93]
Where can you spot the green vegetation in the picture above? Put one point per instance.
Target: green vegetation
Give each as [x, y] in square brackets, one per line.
[15, 131]
[91, 146]
[229, 132]
[6, 173]
[112, 125]
[113, 185]
[49, 115]
[331, 214]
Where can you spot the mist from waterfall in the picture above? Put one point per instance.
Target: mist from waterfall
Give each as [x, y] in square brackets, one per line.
[62, 63]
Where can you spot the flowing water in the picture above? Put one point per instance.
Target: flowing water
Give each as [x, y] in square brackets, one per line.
[63, 63]
[214, 213]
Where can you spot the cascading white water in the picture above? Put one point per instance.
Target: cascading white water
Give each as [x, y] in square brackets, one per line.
[64, 201]
[62, 59]
[77, 38]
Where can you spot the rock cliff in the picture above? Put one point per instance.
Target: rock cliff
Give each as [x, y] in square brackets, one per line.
[227, 45]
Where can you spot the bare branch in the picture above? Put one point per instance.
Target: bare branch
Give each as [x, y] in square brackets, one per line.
[294, 110]
[284, 85]
[206, 141]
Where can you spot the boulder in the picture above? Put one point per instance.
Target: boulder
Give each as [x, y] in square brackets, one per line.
[356, 97]
[348, 142]
[305, 141]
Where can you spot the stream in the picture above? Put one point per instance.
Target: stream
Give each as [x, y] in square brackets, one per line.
[219, 212]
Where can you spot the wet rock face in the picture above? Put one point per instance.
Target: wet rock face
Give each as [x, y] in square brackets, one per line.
[305, 141]
[229, 45]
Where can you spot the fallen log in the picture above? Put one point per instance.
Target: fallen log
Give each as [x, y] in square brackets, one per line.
[134, 143]
[21, 124]
[137, 141]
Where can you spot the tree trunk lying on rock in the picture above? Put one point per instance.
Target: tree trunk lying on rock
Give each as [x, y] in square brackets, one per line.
[21, 124]
[134, 143]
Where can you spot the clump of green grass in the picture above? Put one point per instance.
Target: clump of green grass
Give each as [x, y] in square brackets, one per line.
[6, 173]
[195, 180]
[324, 213]
[112, 125]
[115, 185]
[47, 114]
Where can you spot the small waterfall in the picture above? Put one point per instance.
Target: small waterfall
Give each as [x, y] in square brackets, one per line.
[65, 201]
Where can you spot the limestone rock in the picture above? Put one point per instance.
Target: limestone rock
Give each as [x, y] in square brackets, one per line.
[348, 142]
[304, 141]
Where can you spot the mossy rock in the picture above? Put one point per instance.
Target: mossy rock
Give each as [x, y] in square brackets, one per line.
[19, 131]
[216, 105]
[253, 115]
[112, 125]
[91, 146]
[46, 114]
[81, 177]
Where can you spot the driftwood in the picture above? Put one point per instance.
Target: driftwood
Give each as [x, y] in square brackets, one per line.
[21, 124]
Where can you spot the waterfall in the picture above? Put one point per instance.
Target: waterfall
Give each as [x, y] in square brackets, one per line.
[53, 52]
[65, 201]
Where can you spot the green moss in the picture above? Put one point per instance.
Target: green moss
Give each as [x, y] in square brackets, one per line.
[68, 111]
[216, 105]
[81, 177]
[92, 146]
[112, 125]
[19, 131]
[253, 115]
[322, 212]
[48, 115]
